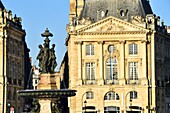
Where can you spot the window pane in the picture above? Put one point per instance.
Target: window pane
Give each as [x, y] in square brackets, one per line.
[111, 96]
[111, 48]
[90, 71]
[133, 49]
[89, 95]
[133, 70]
[90, 49]
[111, 69]
[133, 95]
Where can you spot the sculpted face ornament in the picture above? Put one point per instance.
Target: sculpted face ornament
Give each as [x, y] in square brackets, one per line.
[46, 56]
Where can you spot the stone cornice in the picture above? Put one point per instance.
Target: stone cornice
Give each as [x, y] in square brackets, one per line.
[112, 33]
[111, 19]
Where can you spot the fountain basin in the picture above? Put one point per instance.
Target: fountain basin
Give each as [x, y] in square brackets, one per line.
[48, 93]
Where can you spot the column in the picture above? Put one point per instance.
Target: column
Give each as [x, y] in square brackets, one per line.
[121, 63]
[100, 80]
[144, 65]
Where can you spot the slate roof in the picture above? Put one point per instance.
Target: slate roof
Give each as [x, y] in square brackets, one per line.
[122, 9]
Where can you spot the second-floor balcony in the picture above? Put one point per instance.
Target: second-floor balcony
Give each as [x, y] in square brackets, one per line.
[114, 81]
[89, 82]
[133, 81]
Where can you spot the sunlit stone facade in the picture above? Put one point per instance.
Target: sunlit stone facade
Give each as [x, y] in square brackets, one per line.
[13, 55]
[118, 57]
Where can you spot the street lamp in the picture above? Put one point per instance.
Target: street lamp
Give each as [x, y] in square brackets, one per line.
[85, 102]
[8, 105]
[130, 104]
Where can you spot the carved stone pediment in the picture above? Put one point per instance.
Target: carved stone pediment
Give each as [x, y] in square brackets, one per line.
[111, 25]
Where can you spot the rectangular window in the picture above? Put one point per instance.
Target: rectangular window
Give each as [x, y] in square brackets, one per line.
[133, 70]
[90, 49]
[90, 71]
[133, 49]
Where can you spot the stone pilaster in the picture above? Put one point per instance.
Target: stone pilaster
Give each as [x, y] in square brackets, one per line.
[144, 65]
[100, 80]
[121, 74]
[79, 43]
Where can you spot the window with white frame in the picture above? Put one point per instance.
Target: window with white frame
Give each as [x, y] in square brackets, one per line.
[89, 95]
[133, 95]
[111, 69]
[90, 49]
[133, 70]
[133, 49]
[90, 71]
[111, 96]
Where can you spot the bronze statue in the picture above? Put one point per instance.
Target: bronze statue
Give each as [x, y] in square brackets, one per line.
[36, 107]
[53, 62]
[56, 107]
[46, 56]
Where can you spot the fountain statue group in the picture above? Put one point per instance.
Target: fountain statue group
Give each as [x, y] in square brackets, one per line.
[47, 98]
[46, 56]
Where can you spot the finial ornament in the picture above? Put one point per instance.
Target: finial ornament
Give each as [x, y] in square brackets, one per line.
[46, 56]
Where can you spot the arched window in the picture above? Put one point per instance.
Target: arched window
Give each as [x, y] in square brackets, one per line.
[133, 95]
[89, 95]
[111, 96]
[90, 49]
[133, 49]
[111, 69]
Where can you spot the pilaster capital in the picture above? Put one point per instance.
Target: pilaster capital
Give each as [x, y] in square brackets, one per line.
[144, 41]
[122, 41]
[100, 42]
[78, 42]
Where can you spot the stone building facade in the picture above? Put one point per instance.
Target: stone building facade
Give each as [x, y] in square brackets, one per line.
[14, 55]
[118, 57]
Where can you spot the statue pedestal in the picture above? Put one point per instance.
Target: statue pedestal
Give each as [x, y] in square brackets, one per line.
[48, 81]
[45, 105]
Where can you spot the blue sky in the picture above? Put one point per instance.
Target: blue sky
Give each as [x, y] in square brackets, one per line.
[37, 15]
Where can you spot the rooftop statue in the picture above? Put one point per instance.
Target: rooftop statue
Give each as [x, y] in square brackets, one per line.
[46, 56]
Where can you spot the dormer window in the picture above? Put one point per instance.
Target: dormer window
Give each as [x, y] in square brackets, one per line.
[122, 13]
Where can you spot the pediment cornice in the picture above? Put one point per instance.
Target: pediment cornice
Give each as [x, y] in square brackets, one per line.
[111, 25]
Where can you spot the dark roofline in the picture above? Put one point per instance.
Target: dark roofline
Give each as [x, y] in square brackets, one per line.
[1, 5]
[147, 7]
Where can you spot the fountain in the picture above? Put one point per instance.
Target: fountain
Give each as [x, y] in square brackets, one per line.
[48, 93]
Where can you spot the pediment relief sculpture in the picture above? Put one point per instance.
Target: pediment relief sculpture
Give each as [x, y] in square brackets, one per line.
[111, 26]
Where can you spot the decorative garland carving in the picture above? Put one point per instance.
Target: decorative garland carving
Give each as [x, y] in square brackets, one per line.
[111, 26]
